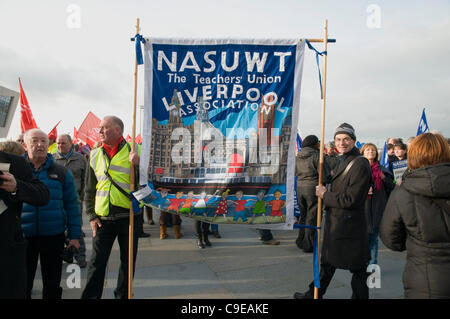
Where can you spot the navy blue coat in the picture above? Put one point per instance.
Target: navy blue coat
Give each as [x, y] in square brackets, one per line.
[62, 211]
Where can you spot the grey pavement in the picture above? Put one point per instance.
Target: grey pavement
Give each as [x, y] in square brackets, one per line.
[236, 266]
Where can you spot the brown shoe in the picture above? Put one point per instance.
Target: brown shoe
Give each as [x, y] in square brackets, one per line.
[163, 232]
[177, 233]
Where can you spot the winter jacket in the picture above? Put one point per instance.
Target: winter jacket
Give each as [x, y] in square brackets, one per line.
[375, 205]
[332, 162]
[12, 245]
[77, 165]
[63, 210]
[307, 167]
[417, 219]
[345, 242]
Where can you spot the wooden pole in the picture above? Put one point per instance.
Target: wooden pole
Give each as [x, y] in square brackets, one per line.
[322, 137]
[132, 179]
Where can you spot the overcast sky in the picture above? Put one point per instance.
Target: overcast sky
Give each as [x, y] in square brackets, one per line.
[390, 60]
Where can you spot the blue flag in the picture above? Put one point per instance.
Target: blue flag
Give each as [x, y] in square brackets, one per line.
[299, 143]
[423, 125]
[359, 145]
[384, 160]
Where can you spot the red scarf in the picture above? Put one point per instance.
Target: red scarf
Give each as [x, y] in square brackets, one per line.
[376, 177]
[112, 150]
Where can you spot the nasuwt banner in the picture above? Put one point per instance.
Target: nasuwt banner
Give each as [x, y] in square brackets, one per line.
[220, 128]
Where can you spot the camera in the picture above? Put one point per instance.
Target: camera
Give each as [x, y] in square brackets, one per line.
[68, 253]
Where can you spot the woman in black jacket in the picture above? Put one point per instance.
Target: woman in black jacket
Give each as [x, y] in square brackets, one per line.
[307, 172]
[417, 218]
[380, 188]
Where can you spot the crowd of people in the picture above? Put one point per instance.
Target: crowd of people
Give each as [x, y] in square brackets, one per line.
[364, 201]
[50, 181]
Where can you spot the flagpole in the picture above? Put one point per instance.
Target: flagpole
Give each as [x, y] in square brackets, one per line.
[132, 179]
[322, 137]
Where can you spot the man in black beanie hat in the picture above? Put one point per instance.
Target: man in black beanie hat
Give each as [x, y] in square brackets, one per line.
[307, 172]
[345, 240]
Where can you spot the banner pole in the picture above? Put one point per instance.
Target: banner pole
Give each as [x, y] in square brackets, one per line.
[322, 136]
[132, 180]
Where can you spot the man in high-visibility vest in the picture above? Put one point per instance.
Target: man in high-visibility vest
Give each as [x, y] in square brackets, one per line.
[107, 204]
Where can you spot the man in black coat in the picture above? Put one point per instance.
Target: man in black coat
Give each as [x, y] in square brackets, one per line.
[345, 240]
[18, 185]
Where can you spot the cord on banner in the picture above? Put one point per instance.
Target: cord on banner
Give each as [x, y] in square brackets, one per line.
[138, 38]
[318, 65]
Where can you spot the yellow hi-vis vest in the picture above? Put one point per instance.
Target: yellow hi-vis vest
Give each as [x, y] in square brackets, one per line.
[119, 170]
[52, 149]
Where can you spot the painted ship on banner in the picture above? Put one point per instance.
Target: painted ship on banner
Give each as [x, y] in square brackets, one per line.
[217, 177]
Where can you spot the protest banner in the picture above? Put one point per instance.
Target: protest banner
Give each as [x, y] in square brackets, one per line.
[220, 128]
[222, 114]
[399, 167]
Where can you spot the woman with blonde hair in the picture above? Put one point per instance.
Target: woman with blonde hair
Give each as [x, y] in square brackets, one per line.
[417, 219]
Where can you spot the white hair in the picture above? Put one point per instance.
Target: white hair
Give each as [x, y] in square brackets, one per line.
[33, 130]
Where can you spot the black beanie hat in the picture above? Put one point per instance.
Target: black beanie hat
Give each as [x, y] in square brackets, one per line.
[346, 128]
[310, 140]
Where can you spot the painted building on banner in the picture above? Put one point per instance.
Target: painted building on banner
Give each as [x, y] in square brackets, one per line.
[236, 162]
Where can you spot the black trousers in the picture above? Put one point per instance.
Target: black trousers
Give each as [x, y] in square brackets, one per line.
[358, 283]
[307, 201]
[201, 229]
[101, 249]
[139, 229]
[265, 234]
[49, 249]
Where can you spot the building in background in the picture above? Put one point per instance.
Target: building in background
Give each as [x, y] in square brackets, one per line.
[8, 105]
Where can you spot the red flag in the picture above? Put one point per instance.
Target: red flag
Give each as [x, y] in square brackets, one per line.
[27, 121]
[75, 135]
[54, 133]
[88, 132]
[138, 139]
[128, 138]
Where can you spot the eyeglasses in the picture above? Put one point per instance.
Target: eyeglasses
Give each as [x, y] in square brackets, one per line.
[345, 140]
